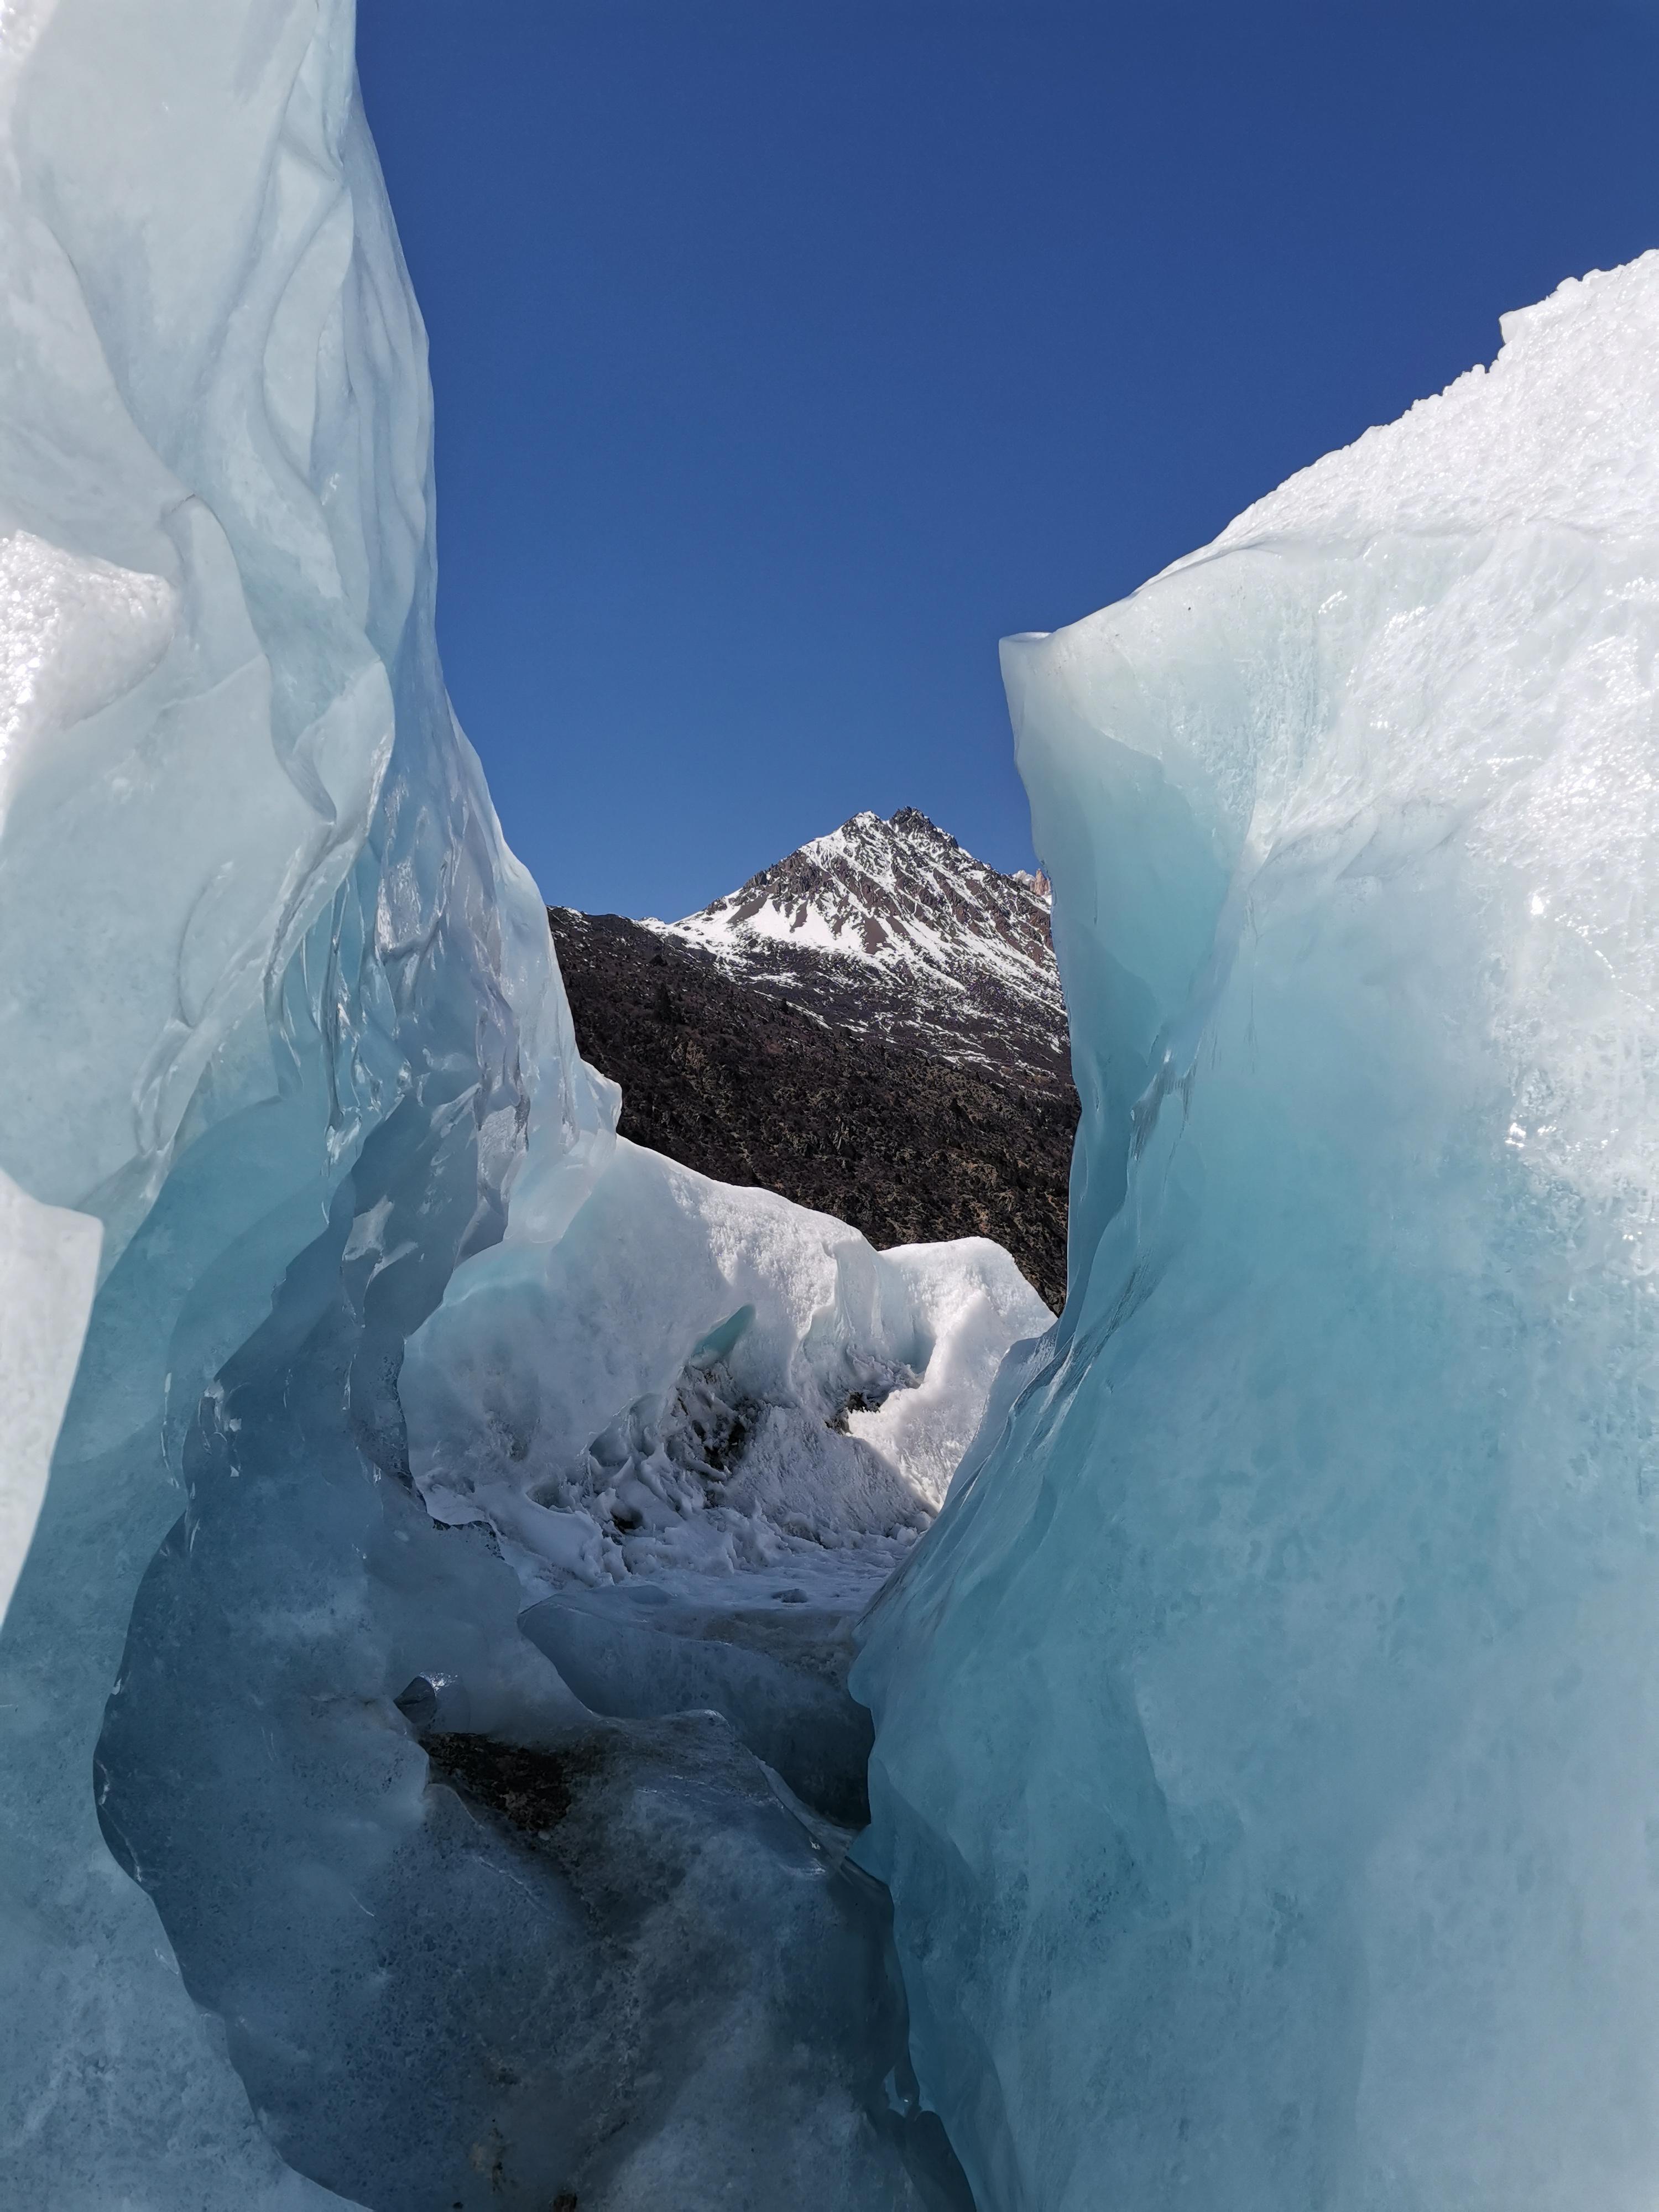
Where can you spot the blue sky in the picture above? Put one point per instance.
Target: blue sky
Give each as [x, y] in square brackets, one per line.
[787, 353]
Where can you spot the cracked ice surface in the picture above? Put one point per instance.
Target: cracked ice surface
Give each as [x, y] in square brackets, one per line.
[1305, 1855]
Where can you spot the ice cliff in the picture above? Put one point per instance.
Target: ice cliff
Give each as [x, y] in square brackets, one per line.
[321, 1878]
[1266, 1767]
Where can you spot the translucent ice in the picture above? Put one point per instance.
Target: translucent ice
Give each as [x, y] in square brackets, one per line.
[1267, 1757]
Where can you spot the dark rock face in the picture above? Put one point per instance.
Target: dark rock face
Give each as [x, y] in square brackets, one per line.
[920, 1090]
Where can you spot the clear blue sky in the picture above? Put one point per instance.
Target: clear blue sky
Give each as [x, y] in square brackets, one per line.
[788, 353]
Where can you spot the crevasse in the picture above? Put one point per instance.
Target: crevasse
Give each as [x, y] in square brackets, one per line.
[426, 1772]
[1265, 1770]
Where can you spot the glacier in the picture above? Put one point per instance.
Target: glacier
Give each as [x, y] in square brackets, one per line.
[488, 1575]
[1265, 1768]
[428, 1772]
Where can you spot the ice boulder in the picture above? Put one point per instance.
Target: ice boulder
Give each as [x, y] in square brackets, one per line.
[1266, 1770]
[704, 1424]
[695, 1379]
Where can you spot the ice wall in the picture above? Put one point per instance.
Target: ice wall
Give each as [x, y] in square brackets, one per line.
[1268, 1757]
[253, 904]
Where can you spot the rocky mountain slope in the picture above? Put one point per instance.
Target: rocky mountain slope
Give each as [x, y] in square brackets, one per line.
[872, 1026]
[890, 929]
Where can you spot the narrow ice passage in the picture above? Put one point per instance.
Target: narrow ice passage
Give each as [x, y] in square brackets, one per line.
[429, 1774]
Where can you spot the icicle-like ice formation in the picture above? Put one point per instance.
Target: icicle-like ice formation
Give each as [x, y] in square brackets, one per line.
[1267, 1757]
[281, 1032]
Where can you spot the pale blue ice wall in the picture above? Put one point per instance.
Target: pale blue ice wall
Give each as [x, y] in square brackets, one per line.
[1268, 1757]
[246, 863]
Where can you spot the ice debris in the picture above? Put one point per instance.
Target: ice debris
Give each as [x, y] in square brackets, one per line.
[694, 1380]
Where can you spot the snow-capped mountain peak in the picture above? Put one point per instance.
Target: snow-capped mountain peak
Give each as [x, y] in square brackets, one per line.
[890, 925]
[892, 891]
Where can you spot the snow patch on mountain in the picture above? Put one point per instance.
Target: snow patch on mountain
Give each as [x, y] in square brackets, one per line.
[889, 926]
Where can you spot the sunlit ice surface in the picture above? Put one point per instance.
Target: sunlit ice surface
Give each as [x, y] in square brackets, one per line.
[1267, 1769]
